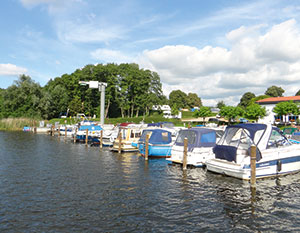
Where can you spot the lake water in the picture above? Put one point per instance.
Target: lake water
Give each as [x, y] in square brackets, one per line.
[48, 184]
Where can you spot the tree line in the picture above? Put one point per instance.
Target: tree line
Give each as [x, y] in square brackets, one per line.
[248, 108]
[130, 92]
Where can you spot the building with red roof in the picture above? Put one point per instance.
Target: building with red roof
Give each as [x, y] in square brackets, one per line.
[270, 103]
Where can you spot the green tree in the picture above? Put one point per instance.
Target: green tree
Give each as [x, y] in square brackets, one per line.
[22, 99]
[286, 108]
[203, 112]
[75, 106]
[231, 112]
[193, 100]
[246, 99]
[257, 98]
[174, 110]
[298, 93]
[274, 91]
[179, 98]
[220, 104]
[255, 111]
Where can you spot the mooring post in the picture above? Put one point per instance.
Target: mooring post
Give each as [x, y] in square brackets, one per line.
[75, 135]
[147, 147]
[66, 132]
[120, 143]
[253, 165]
[86, 136]
[52, 130]
[59, 131]
[101, 139]
[185, 149]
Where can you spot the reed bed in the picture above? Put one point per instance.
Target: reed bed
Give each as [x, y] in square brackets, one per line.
[17, 123]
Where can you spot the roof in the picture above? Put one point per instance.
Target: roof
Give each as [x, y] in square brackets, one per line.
[278, 99]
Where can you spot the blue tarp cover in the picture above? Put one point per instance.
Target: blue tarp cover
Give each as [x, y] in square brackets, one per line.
[197, 137]
[90, 127]
[158, 136]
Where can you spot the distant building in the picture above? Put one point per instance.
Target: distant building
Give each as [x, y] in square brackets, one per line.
[270, 103]
[161, 107]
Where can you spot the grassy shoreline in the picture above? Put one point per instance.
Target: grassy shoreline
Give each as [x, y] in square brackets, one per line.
[16, 124]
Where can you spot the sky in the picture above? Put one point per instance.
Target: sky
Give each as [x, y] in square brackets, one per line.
[218, 49]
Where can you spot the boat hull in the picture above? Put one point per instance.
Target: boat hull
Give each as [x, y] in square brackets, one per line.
[195, 158]
[264, 169]
[156, 151]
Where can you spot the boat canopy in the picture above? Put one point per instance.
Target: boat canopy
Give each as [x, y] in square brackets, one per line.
[165, 124]
[197, 137]
[252, 128]
[156, 136]
[242, 136]
[90, 127]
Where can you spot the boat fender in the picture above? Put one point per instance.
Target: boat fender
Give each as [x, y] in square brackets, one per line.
[279, 165]
[111, 139]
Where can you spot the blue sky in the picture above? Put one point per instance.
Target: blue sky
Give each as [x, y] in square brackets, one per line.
[217, 49]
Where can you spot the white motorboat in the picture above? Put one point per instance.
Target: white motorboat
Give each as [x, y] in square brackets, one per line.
[275, 154]
[200, 143]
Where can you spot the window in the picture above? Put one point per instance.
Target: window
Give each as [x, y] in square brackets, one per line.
[276, 139]
[165, 137]
[208, 137]
[190, 135]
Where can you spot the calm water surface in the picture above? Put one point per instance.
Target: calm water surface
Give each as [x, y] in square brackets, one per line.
[48, 184]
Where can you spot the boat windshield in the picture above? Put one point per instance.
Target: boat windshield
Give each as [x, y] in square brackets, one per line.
[277, 139]
[190, 135]
[237, 137]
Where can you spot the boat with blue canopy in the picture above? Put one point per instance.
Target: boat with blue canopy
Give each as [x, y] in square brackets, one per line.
[159, 144]
[93, 131]
[200, 143]
[275, 154]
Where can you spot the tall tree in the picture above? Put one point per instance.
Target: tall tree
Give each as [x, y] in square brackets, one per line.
[259, 97]
[220, 104]
[274, 91]
[23, 98]
[179, 98]
[246, 99]
[193, 100]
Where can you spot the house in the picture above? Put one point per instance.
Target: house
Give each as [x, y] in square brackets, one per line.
[161, 107]
[270, 103]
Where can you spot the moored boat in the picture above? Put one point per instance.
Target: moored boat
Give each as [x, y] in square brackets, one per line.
[200, 143]
[159, 144]
[130, 135]
[275, 155]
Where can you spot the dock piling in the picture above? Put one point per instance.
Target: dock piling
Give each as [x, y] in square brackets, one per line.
[147, 147]
[101, 139]
[253, 165]
[120, 143]
[185, 149]
[86, 137]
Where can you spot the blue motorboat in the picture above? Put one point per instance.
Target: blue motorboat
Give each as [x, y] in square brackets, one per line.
[159, 145]
[93, 131]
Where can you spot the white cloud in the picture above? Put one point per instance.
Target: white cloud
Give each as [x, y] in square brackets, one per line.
[11, 70]
[255, 61]
[110, 56]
